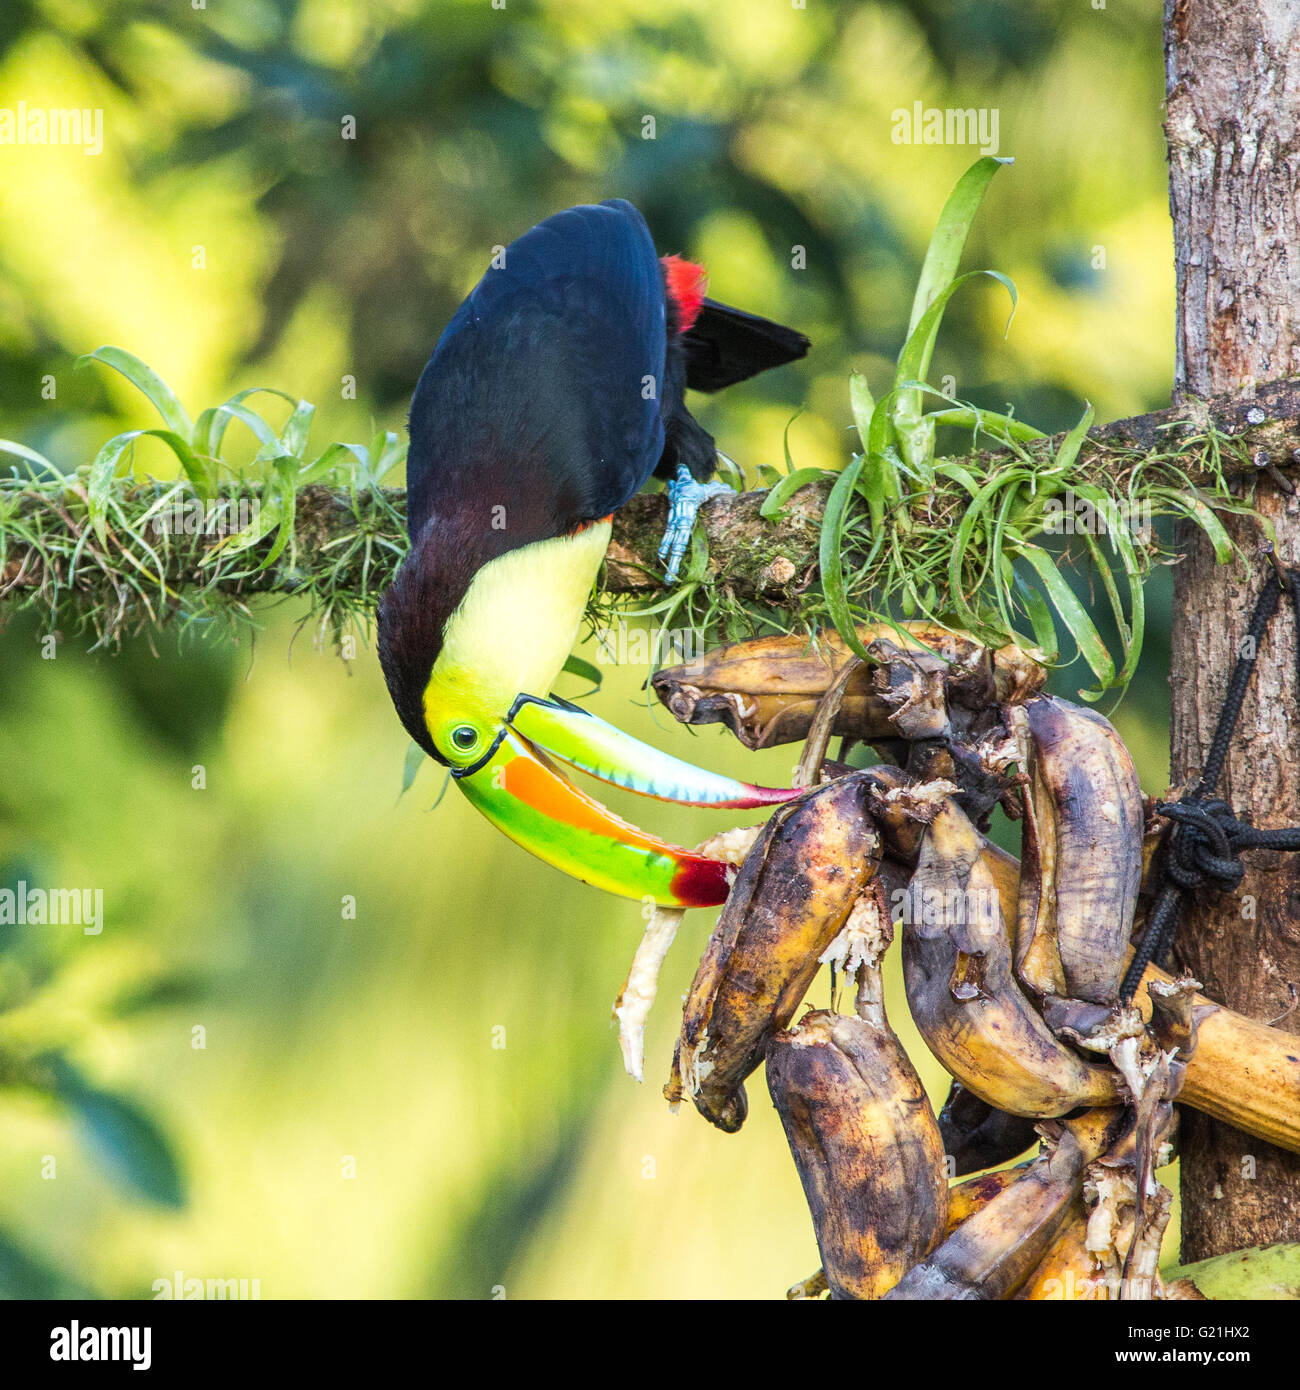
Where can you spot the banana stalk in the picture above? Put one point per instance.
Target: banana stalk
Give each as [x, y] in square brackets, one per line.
[792, 896]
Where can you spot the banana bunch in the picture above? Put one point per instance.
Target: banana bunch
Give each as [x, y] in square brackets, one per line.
[1011, 969]
[792, 896]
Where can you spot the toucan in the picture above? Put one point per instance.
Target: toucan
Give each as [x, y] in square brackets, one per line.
[552, 396]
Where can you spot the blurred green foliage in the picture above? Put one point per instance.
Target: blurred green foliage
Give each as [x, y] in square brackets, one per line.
[406, 1084]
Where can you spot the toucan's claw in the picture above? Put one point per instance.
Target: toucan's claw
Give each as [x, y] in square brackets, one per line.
[685, 496]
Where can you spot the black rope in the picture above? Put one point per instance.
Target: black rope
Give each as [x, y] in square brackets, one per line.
[1203, 846]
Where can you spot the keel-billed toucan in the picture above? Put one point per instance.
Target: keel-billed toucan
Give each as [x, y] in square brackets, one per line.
[554, 393]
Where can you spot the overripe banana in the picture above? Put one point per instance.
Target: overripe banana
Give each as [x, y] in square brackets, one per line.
[791, 897]
[866, 1145]
[964, 1200]
[962, 993]
[1067, 1271]
[1081, 851]
[977, 1136]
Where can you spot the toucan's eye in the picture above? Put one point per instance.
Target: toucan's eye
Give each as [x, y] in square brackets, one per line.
[464, 737]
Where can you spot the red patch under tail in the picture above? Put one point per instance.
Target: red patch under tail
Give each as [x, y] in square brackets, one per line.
[686, 284]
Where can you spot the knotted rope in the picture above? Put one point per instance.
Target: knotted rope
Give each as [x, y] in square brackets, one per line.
[1202, 848]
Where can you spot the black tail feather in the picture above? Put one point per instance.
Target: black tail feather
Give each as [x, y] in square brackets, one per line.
[726, 345]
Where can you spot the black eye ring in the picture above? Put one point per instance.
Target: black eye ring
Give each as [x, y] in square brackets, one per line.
[464, 737]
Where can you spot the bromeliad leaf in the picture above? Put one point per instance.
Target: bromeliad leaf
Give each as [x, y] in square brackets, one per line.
[948, 240]
[1076, 619]
[105, 464]
[863, 404]
[782, 491]
[149, 383]
[584, 670]
[831, 561]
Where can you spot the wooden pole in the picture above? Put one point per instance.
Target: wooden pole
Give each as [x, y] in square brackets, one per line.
[1233, 132]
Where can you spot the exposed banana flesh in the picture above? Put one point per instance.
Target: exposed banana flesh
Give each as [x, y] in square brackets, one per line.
[1081, 854]
[866, 1145]
[963, 996]
[792, 895]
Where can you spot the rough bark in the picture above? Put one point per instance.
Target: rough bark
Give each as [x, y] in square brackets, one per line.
[1233, 132]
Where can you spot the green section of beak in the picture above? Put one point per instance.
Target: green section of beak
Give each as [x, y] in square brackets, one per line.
[601, 750]
[527, 798]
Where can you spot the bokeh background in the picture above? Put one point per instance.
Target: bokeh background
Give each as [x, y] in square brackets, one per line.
[424, 1098]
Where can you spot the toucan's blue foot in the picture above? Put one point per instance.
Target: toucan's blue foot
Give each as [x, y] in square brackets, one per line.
[684, 498]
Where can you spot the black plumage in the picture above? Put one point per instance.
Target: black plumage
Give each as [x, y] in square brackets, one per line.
[553, 394]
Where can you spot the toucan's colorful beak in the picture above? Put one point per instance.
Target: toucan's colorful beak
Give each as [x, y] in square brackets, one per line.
[521, 792]
[575, 736]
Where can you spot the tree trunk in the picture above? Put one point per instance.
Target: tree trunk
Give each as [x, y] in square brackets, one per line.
[1233, 131]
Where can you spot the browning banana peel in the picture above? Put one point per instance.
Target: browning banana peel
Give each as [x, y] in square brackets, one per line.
[976, 1136]
[1081, 851]
[793, 894]
[966, 1198]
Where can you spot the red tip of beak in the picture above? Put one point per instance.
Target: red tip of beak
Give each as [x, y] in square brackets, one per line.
[701, 882]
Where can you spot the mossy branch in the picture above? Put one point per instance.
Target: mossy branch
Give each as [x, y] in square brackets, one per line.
[140, 571]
